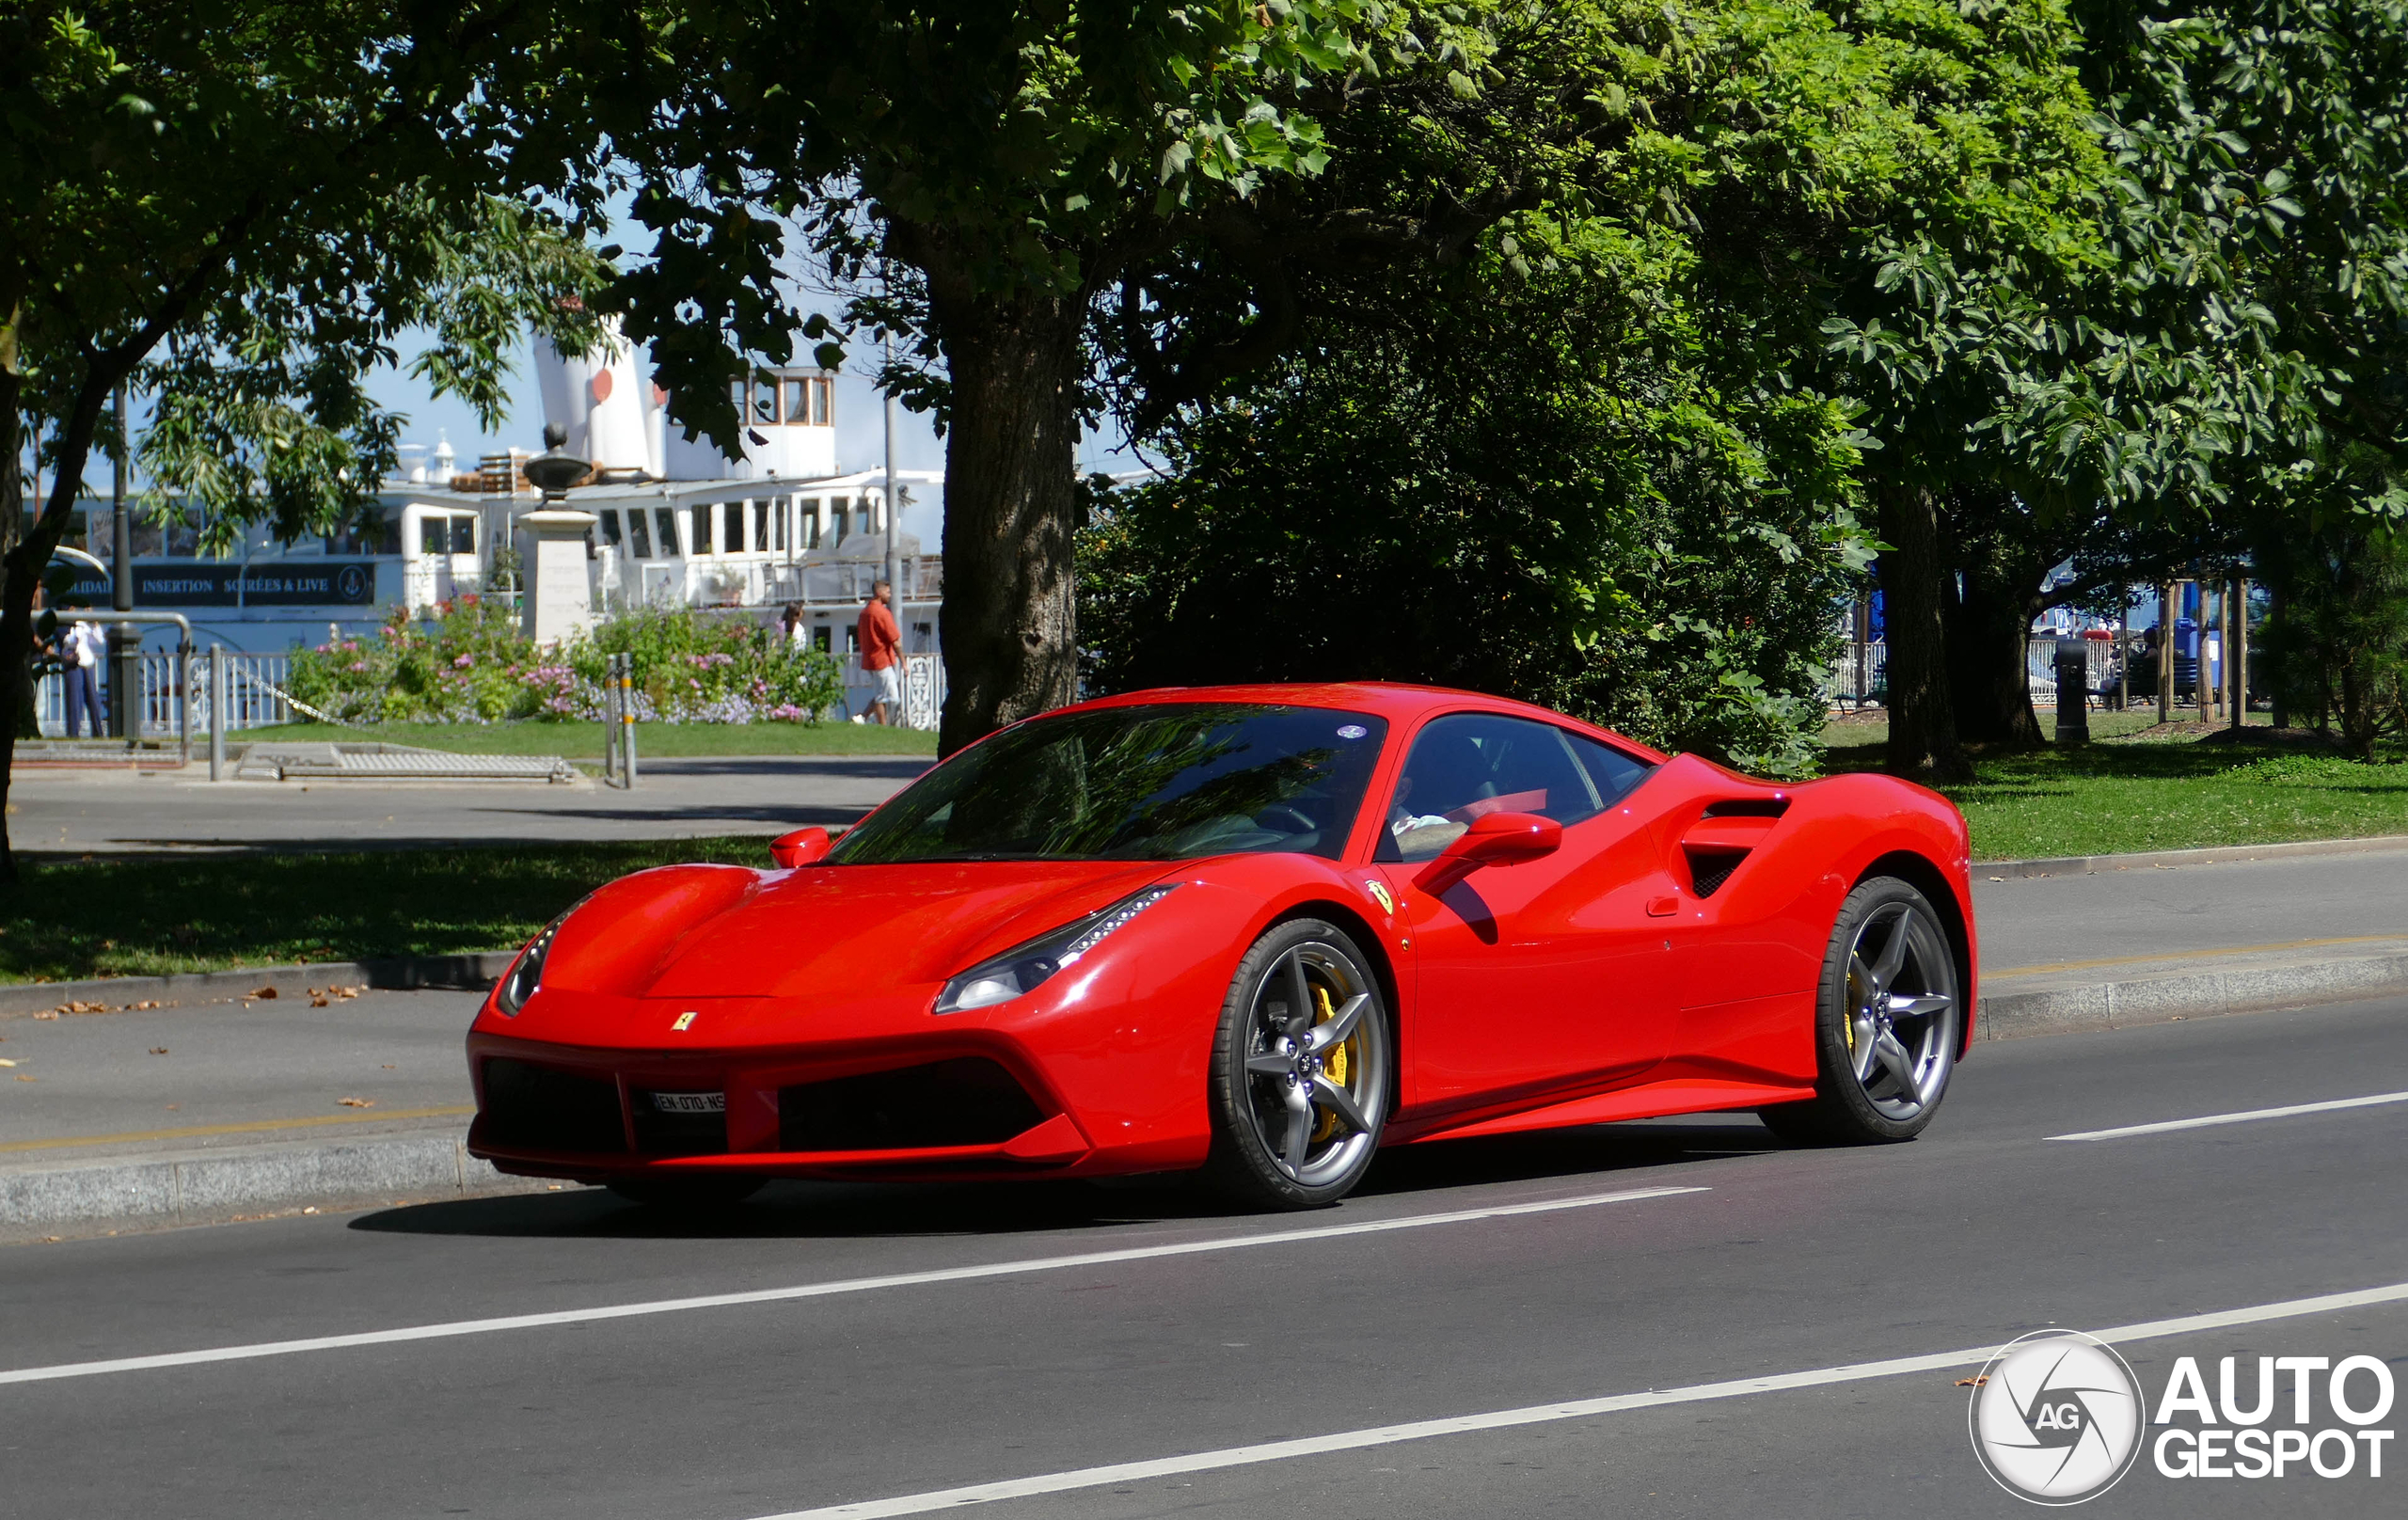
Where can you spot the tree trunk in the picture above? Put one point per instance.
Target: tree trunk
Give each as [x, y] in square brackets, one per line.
[1923, 725]
[1011, 445]
[25, 560]
[1989, 679]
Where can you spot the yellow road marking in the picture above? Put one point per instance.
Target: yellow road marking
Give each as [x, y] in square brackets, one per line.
[307, 1122]
[2189, 954]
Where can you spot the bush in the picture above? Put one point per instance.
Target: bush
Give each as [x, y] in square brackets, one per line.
[467, 662]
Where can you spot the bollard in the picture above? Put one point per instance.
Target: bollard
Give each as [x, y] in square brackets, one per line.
[610, 720]
[627, 719]
[216, 712]
[2073, 694]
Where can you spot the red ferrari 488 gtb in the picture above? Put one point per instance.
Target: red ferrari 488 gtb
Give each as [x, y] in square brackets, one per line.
[1258, 931]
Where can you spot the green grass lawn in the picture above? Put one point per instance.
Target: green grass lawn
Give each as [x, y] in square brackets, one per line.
[2142, 791]
[583, 741]
[143, 915]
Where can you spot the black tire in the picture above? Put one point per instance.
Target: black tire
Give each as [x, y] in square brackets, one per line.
[1260, 1064]
[688, 1195]
[1866, 1093]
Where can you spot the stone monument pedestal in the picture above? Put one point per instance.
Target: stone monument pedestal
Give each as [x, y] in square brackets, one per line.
[559, 599]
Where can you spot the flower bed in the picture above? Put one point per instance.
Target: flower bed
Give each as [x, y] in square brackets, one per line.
[469, 663]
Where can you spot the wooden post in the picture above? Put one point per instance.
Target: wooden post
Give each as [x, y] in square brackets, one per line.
[2238, 652]
[2165, 651]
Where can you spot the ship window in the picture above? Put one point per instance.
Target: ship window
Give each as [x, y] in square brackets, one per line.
[702, 530]
[732, 525]
[640, 533]
[822, 637]
[840, 515]
[444, 532]
[735, 397]
[610, 528]
[808, 524]
[763, 514]
[666, 518]
[823, 403]
[764, 401]
[798, 406]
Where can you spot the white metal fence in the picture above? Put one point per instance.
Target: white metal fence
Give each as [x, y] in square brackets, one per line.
[923, 689]
[1861, 677]
[249, 704]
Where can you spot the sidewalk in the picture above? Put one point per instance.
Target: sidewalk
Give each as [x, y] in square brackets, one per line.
[2142, 943]
[116, 811]
[244, 1113]
[173, 1116]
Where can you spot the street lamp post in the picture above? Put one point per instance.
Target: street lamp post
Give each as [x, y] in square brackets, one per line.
[125, 643]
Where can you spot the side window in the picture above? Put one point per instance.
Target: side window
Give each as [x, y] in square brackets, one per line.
[1473, 764]
[639, 534]
[1614, 773]
[609, 527]
[666, 518]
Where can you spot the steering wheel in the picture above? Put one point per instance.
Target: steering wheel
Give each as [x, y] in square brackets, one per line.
[1286, 819]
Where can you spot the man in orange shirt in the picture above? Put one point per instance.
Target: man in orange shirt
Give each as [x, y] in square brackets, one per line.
[881, 646]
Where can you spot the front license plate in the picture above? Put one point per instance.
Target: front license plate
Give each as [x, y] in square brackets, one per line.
[689, 1102]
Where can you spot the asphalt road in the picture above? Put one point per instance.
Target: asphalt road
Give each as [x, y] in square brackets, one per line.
[108, 812]
[1781, 1262]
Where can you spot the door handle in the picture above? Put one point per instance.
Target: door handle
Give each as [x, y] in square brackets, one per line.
[1664, 907]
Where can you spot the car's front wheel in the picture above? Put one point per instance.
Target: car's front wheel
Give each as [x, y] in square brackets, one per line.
[1888, 1020]
[1301, 1071]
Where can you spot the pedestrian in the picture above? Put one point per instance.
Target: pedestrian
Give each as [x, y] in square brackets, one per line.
[79, 658]
[790, 619]
[881, 645]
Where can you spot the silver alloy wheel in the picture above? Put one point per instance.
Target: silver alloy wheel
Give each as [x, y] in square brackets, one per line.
[1315, 1075]
[1902, 1018]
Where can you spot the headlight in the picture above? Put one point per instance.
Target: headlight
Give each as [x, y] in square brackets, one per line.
[519, 982]
[1025, 968]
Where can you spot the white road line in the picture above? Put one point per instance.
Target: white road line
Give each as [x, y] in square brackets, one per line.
[1246, 1456]
[826, 1290]
[2171, 1125]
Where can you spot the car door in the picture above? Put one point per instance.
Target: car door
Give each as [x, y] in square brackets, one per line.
[1548, 974]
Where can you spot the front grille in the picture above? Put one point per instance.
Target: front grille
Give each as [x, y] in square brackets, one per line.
[536, 1108]
[675, 1133]
[968, 1101]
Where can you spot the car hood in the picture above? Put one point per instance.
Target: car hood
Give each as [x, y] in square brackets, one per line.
[824, 928]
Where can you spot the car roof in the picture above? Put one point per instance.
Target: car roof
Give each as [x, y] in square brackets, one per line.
[1399, 703]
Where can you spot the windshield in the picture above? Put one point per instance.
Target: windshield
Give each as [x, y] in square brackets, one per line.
[1158, 783]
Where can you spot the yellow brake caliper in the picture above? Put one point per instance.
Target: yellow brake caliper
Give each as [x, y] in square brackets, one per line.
[1848, 1019]
[1333, 1066]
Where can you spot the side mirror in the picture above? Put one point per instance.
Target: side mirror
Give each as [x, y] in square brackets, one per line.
[1493, 839]
[800, 847]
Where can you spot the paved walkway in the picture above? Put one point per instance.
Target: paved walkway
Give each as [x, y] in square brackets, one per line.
[76, 812]
[2042, 932]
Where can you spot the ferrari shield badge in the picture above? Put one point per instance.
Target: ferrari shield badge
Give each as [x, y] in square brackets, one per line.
[1379, 889]
[685, 1021]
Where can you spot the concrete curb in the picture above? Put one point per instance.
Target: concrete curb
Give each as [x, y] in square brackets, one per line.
[2157, 1000]
[205, 1187]
[469, 972]
[2172, 859]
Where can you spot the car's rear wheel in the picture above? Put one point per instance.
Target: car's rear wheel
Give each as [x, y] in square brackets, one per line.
[1301, 1071]
[1889, 1018]
[687, 1194]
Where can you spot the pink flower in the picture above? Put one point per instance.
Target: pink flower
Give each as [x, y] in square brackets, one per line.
[464, 662]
